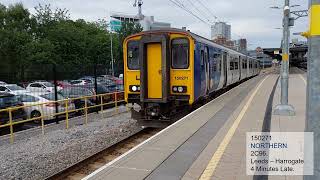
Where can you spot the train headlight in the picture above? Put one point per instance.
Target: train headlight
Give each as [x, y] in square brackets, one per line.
[175, 89]
[134, 88]
[179, 89]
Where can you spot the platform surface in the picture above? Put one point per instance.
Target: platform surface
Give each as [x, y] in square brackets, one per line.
[210, 142]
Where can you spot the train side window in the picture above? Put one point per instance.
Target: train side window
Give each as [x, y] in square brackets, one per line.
[206, 54]
[231, 66]
[236, 65]
[180, 53]
[218, 59]
[133, 55]
[202, 58]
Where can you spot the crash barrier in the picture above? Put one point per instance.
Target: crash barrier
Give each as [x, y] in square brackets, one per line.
[102, 100]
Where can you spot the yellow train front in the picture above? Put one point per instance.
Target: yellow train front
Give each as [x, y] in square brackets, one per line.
[167, 71]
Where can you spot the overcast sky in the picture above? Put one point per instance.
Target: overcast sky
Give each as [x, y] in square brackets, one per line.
[252, 19]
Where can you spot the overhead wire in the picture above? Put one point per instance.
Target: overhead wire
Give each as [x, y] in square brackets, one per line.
[208, 10]
[183, 7]
[202, 17]
[200, 12]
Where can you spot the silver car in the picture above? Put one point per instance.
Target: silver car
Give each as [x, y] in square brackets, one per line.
[48, 109]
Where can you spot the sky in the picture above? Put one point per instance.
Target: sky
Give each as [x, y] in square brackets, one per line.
[250, 19]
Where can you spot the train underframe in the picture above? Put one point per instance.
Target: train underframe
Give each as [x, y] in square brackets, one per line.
[155, 114]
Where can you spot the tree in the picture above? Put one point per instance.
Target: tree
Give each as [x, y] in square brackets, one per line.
[15, 33]
[128, 28]
[51, 37]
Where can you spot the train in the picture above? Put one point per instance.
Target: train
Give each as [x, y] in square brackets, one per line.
[170, 70]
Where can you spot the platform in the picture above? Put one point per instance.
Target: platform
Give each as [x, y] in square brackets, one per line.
[210, 142]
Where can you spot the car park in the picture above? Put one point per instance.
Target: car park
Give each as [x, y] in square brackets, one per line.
[8, 100]
[12, 88]
[44, 105]
[41, 87]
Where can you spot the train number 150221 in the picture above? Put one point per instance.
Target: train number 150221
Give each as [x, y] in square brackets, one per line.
[181, 78]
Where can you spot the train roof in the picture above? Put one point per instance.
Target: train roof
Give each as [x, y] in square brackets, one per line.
[193, 35]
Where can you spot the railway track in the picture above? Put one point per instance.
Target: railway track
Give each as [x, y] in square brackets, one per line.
[89, 165]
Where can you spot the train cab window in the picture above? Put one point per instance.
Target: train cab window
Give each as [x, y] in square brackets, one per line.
[180, 53]
[133, 55]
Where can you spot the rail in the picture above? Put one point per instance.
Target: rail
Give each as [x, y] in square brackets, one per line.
[100, 103]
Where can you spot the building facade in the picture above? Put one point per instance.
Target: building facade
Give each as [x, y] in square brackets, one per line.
[221, 30]
[241, 45]
[146, 22]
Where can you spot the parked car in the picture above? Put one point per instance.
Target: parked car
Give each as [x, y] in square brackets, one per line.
[8, 100]
[63, 84]
[111, 78]
[118, 81]
[105, 81]
[48, 109]
[102, 89]
[90, 79]
[77, 92]
[80, 82]
[23, 84]
[12, 88]
[41, 87]
[2, 82]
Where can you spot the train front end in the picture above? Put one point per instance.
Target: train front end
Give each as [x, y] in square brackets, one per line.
[158, 75]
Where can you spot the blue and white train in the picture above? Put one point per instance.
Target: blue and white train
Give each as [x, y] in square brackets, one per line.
[169, 70]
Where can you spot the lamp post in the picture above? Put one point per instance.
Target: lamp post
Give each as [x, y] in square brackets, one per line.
[284, 109]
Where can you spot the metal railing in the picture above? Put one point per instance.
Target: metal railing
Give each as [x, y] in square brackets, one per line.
[66, 102]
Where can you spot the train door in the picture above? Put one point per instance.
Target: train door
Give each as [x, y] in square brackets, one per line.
[154, 69]
[225, 68]
[240, 67]
[206, 64]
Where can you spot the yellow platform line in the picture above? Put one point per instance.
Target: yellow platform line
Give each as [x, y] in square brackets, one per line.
[304, 80]
[208, 172]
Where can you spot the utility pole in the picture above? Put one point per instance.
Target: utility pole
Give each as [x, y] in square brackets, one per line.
[111, 53]
[284, 109]
[139, 2]
[313, 87]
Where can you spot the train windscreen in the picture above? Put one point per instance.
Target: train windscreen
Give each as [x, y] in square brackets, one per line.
[133, 55]
[180, 53]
